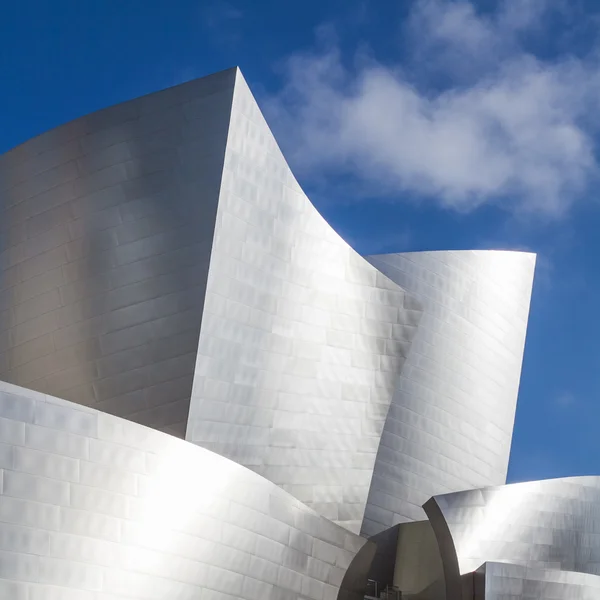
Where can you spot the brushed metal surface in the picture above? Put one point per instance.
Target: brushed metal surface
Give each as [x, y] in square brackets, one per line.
[106, 225]
[552, 524]
[501, 581]
[164, 244]
[159, 261]
[301, 339]
[450, 423]
[94, 507]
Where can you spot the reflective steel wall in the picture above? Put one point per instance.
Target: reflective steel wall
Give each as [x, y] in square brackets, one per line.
[450, 423]
[93, 507]
[161, 250]
[163, 244]
[301, 339]
[499, 581]
[551, 524]
[106, 226]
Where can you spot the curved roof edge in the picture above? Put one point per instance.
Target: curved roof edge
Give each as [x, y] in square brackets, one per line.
[46, 132]
[457, 251]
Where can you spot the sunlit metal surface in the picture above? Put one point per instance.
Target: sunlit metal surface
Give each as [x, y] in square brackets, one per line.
[92, 504]
[164, 244]
[450, 423]
[499, 581]
[159, 261]
[552, 524]
[301, 339]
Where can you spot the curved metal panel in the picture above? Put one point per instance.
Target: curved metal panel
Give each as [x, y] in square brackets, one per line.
[301, 339]
[450, 423]
[418, 568]
[500, 581]
[106, 226]
[131, 233]
[96, 507]
[448, 555]
[355, 582]
[551, 524]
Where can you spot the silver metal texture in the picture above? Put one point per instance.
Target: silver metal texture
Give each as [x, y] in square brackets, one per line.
[106, 225]
[301, 339]
[163, 244]
[501, 581]
[159, 261]
[450, 423]
[94, 507]
[552, 524]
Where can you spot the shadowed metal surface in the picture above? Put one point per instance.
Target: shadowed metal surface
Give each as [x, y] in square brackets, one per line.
[301, 339]
[106, 225]
[418, 569]
[94, 507]
[552, 524]
[499, 581]
[450, 423]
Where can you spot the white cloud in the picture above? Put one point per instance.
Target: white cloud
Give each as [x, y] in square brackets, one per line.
[451, 36]
[512, 129]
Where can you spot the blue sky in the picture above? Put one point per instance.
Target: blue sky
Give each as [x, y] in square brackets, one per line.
[413, 125]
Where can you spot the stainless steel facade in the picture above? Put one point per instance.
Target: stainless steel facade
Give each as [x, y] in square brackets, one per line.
[301, 339]
[106, 226]
[163, 245]
[550, 525]
[94, 507]
[501, 581]
[450, 423]
[159, 262]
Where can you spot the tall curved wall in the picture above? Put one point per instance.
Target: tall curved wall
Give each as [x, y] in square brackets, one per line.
[450, 423]
[163, 246]
[302, 339]
[94, 507]
[106, 225]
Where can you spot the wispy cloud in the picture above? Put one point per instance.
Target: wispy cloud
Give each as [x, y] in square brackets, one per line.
[509, 128]
[565, 400]
[453, 36]
[219, 12]
[222, 20]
